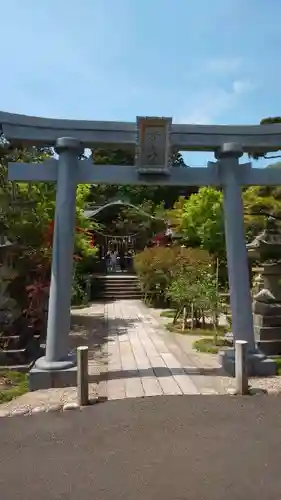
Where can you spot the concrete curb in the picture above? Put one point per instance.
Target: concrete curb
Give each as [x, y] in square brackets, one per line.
[27, 411]
[256, 391]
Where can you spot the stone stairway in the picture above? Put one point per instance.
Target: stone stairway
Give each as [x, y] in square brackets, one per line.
[18, 352]
[115, 286]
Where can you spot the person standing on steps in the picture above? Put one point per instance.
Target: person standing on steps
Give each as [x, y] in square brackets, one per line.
[122, 260]
[113, 260]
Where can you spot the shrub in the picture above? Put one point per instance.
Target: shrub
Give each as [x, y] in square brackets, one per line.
[158, 266]
[79, 294]
[194, 292]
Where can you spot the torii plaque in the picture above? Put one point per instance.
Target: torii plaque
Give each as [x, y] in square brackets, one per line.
[153, 145]
[57, 367]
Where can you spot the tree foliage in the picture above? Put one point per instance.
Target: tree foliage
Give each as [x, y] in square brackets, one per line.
[266, 121]
[27, 220]
[193, 291]
[200, 218]
[28, 209]
[157, 266]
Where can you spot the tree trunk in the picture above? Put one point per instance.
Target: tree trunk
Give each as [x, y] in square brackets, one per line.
[215, 326]
[203, 319]
[192, 316]
[177, 315]
[184, 319]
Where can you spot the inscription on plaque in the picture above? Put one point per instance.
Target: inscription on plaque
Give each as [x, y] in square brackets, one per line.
[153, 144]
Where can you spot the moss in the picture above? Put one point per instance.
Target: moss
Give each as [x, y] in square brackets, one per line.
[202, 332]
[209, 345]
[169, 313]
[278, 364]
[12, 385]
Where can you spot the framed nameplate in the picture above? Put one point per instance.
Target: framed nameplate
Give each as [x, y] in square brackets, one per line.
[153, 145]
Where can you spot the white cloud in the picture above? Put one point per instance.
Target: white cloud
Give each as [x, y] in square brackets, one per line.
[216, 67]
[242, 86]
[209, 106]
[223, 65]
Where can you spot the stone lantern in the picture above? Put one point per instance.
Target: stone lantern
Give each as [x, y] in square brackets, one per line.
[267, 300]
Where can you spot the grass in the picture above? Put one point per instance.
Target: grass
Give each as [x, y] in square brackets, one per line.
[81, 306]
[12, 385]
[202, 332]
[169, 313]
[278, 364]
[209, 346]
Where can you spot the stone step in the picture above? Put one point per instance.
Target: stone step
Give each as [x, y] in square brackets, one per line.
[13, 356]
[120, 286]
[270, 347]
[16, 341]
[23, 368]
[114, 276]
[117, 283]
[267, 321]
[117, 289]
[119, 295]
[116, 280]
[9, 341]
[268, 333]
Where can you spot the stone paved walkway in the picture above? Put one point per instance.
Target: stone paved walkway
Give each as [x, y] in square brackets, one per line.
[139, 362]
[143, 359]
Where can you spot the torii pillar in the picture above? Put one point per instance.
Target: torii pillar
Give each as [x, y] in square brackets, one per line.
[58, 367]
[231, 172]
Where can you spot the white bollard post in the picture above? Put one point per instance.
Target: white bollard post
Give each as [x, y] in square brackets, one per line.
[241, 375]
[82, 376]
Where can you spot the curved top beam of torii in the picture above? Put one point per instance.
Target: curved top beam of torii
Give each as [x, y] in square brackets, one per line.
[110, 134]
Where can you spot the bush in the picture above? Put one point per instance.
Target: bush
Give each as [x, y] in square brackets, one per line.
[79, 294]
[157, 266]
[194, 293]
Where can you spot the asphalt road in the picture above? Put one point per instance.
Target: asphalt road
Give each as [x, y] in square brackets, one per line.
[168, 448]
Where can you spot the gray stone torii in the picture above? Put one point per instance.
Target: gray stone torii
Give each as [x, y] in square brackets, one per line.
[152, 139]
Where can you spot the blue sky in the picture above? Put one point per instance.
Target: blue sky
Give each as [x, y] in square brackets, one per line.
[199, 61]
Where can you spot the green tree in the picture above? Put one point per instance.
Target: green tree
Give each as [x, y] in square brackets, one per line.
[200, 217]
[258, 202]
[158, 266]
[257, 154]
[194, 292]
[200, 220]
[28, 209]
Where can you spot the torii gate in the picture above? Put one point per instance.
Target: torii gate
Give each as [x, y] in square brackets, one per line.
[152, 139]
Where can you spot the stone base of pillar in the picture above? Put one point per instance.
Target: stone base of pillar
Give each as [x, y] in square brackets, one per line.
[258, 364]
[48, 375]
[50, 379]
